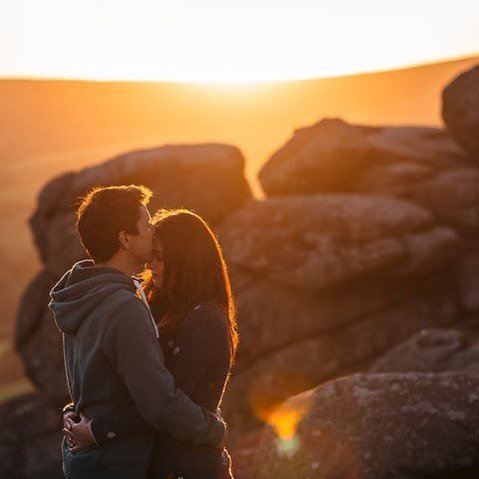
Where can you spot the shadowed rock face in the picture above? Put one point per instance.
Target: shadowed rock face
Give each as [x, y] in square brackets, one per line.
[349, 206]
[416, 163]
[314, 159]
[383, 426]
[443, 349]
[460, 110]
[467, 277]
[387, 209]
[285, 360]
[309, 242]
[38, 340]
[435, 350]
[332, 155]
[336, 279]
[30, 438]
[452, 196]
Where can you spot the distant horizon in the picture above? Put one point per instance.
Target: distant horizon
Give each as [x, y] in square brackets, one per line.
[230, 43]
[408, 66]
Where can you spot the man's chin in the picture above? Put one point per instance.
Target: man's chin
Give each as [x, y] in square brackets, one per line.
[141, 261]
[146, 259]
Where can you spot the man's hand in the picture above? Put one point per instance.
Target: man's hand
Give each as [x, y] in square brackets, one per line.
[78, 433]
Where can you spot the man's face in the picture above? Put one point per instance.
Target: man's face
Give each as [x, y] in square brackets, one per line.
[142, 243]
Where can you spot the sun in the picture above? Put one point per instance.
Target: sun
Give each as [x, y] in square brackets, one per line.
[213, 41]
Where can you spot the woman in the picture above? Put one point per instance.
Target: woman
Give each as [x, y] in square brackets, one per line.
[188, 290]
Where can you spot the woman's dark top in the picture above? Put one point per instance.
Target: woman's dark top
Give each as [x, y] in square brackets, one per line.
[197, 353]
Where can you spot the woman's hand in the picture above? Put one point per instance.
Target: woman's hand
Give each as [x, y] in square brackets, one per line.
[78, 433]
[69, 417]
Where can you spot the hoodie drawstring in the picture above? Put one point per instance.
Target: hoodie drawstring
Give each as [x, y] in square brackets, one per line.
[143, 298]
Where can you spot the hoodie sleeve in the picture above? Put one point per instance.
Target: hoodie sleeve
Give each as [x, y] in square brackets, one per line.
[131, 346]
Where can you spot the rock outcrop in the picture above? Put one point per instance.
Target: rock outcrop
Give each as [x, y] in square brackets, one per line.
[38, 340]
[207, 178]
[385, 426]
[367, 236]
[310, 242]
[435, 350]
[370, 234]
[30, 438]
[460, 110]
[419, 164]
[333, 155]
[287, 350]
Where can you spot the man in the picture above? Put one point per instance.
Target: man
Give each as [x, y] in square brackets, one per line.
[112, 356]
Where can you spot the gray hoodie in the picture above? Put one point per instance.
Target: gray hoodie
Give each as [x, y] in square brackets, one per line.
[113, 361]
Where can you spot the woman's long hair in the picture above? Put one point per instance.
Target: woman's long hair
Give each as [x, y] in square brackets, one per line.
[194, 271]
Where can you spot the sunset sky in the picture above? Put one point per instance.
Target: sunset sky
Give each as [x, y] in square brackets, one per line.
[225, 41]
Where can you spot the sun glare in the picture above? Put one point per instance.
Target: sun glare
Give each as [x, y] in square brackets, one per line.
[285, 420]
[219, 42]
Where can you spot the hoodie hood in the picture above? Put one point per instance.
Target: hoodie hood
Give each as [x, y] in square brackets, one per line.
[81, 289]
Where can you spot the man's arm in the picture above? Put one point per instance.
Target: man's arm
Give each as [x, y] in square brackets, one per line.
[131, 346]
[202, 336]
[84, 432]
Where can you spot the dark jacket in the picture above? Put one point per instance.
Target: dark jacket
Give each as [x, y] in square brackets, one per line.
[113, 362]
[197, 353]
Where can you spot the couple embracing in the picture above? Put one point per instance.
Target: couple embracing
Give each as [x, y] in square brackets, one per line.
[146, 360]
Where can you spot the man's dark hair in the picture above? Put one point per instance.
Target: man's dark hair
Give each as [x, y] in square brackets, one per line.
[106, 211]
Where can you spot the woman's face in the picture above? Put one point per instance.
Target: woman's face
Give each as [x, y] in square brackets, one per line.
[156, 265]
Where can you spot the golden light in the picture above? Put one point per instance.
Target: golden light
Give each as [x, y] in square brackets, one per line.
[285, 422]
[283, 416]
[214, 41]
[286, 417]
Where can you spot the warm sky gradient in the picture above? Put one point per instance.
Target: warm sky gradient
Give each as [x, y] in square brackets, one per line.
[220, 41]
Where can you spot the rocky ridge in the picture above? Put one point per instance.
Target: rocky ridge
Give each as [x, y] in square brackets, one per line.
[367, 236]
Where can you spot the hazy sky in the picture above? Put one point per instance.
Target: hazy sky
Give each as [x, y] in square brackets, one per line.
[221, 40]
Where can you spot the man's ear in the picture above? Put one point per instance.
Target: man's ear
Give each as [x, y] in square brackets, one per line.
[124, 239]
